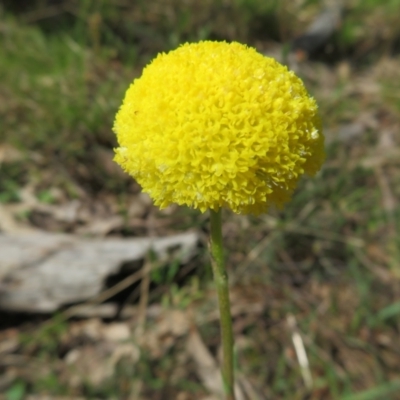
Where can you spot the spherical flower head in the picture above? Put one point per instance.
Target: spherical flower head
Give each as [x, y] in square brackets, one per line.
[216, 124]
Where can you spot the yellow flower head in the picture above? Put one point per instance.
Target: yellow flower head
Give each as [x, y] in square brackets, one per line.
[215, 125]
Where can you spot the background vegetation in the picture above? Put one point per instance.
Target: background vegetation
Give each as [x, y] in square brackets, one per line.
[330, 259]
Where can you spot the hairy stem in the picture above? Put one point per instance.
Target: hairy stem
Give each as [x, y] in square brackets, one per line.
[221, 281]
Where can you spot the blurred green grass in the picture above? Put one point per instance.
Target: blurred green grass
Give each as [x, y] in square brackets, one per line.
[331, 257]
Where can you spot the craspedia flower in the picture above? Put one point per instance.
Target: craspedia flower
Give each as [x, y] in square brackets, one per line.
[214, 125]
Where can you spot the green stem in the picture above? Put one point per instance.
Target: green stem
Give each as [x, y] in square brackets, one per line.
[221, 281]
